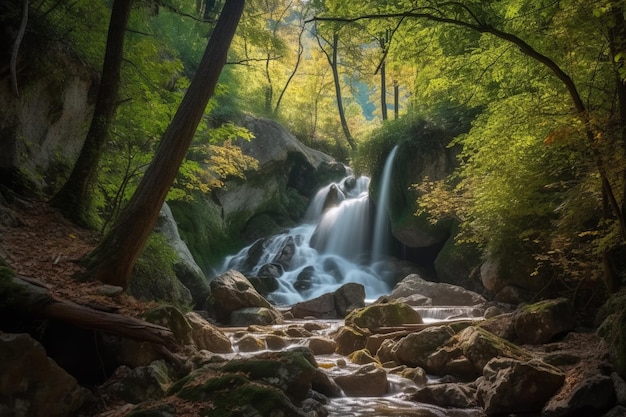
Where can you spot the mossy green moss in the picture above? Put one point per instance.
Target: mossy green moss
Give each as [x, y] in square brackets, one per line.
[383, 315]
[154, 277]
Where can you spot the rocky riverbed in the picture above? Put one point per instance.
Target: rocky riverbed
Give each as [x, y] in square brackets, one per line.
[387, 358]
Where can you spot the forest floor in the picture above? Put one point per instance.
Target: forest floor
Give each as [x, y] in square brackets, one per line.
[47, 248]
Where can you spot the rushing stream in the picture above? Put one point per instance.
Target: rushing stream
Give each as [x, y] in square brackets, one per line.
[343, 238]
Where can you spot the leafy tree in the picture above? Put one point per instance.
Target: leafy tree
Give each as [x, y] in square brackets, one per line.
[74, 198]
[114, 258]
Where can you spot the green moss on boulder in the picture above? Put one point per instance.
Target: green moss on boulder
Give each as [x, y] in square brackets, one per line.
[383, 315]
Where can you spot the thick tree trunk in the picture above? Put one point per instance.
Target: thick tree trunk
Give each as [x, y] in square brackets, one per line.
[113, 260]
[74, 199]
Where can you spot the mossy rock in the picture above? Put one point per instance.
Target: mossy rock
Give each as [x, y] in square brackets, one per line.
[362, 357]
[611, 321]
[349, 339]
[540, 322]
[172, 318]
[480, 346]
[154, 278]
[383, 315]
[233, 395]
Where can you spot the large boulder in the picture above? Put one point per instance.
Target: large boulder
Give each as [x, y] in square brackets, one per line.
[43, 130]
[540, 322]
[415, 349]
[366, 381]
[32, 384]
[383, 315]
[206, 336]
[187, 270]
[332, 305]
[232, 291]
[440, 294]
[513, 386]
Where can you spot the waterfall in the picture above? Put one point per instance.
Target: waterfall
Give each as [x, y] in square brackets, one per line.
[331, 248]
[380, 240]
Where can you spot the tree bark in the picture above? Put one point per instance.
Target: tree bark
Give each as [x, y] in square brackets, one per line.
[16, 48]
[332, 61]
[74, 198]
[113, 260]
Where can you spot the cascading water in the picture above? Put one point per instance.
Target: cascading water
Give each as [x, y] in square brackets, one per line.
[332, 248]
[380, 240]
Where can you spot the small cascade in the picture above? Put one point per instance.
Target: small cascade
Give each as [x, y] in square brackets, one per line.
[380, 241]
[331, 248]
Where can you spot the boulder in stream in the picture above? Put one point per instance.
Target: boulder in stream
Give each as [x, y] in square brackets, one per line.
[383, 315]
[367, 381]
[332, 305]
[440, 294]
[232, 291]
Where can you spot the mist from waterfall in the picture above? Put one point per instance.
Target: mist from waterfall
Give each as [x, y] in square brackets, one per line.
[332, 247]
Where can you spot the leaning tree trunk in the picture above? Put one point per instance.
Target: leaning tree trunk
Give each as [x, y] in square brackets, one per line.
[113, 260]
[74, 198]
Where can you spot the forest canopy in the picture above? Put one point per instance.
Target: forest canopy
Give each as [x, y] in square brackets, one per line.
[532, 91]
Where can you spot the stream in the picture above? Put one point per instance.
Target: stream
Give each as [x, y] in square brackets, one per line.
[343, 238]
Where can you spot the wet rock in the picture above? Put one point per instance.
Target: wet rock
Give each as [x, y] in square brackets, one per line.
[417, 375]
[332, 305]
[139, 384]
[322, 307]
[385, 351]
[274, 342]
[513, 386]
[207, 336]
[266, 280]
[325, 385]
[332, 198]
[414, 349]
[321, 345]
[449, 395]
[304, 279]
[232, 291]
[254, 254]
[349, 339]
[440, 294]
[33, 383]
[249, 343]
[367, 381]
[348, 297]
[362, 357]
[383, 315]
[376, 340]
[501, 325]
[540, 322]
[255, 316]
[349, 183]
[285, 254]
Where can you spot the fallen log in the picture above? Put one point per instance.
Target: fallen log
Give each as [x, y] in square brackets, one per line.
[26, 297]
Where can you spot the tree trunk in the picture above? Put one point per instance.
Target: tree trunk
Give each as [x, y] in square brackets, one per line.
[396, 100]
[113, 260]
[74, 199]
[383, 91]
[342, 114]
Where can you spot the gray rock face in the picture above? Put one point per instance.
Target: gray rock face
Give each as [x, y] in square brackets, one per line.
[32, 384]
[139, 384]
[186, 268]
[44, 129]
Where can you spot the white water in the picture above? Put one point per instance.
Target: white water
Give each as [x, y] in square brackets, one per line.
[380, 240]
[331, 248]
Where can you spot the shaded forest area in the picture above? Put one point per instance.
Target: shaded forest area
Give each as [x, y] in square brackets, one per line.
[532, 93]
